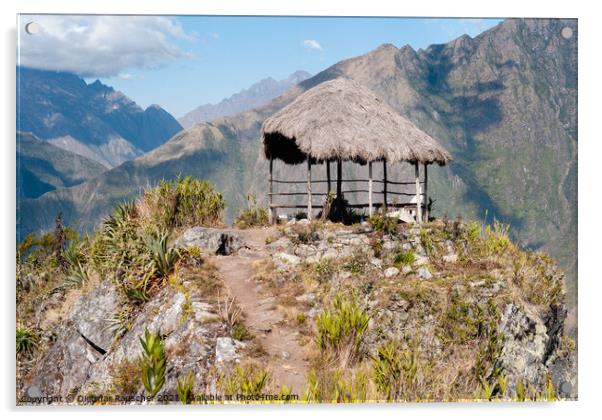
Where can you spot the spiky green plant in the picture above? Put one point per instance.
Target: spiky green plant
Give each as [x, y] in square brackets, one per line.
[248, 380]
[185, 387]
[340, 329]
[153, 362]
[27, 341]
[404, 258]
[78, 275]
[395, 371]
[164, 258]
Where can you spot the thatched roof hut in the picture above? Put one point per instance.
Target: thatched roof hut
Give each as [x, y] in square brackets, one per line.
[343, 120]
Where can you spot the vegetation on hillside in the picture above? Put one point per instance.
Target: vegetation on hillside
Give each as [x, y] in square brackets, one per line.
[429, 331]
[132, 247]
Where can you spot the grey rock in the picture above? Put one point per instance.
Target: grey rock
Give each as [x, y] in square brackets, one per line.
[226, 349]
[306, 298]
[305, 251]
[91, 313]
[421, 261]
[377, 262]
[406, 269]
[391, 272]
[211, 240]
[451, 258]
[424, 273]
[330, 254]
[281, 244]
[287, 259]
[202, 312]
[523, 354]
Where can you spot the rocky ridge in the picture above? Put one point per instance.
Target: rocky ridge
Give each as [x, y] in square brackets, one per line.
[437, 288]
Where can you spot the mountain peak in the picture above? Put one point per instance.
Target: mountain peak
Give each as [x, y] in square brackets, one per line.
[254, 96]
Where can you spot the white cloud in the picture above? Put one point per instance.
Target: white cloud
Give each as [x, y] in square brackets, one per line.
[101, 46]
[312, 44]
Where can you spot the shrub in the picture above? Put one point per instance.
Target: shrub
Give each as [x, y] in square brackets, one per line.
[184, 202]
[241, 333]
[404, 258]
[27, 341]
[340, 329]
[126, 378]
[325, 268]
[383, 223]
[252, 216]
[357, 262]
[496, 238]
[153, 362]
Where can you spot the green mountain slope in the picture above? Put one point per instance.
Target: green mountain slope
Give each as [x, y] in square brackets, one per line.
[42, 167]
[503, 103]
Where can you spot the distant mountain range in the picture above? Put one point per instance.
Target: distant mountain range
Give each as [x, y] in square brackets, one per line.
[503, 103]
[92, 120]
[256, 95]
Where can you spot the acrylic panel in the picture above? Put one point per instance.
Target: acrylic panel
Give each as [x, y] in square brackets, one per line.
[228, 209]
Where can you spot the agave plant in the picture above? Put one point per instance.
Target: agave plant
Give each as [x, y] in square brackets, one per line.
[78, 276]
[164, 258]
[153, 362]
[27, 341]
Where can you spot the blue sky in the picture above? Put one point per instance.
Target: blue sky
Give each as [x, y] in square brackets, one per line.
[182, 62]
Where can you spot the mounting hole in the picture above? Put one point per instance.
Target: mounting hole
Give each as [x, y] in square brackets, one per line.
[32, 28]
[566, 32]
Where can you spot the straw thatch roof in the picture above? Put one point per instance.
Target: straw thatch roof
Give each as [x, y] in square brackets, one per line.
[341, 119]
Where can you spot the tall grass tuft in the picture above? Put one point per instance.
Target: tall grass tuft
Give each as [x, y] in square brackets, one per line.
[340, 330]
[252, 216]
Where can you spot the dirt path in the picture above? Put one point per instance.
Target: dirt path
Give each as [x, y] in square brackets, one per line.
[286, 362]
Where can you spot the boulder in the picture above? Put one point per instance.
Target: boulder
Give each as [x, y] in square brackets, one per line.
[211, 240]
[287, 259]
[522, 357]
[226, 349]
[424, 273]
[391, 272]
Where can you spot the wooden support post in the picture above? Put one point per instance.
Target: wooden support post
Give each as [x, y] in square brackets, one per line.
[426, 197]
[385, 184]
[271, 210]
[339, 179]
[308, 188]
[418, 197]
[328, 175]
[370, 188]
